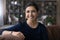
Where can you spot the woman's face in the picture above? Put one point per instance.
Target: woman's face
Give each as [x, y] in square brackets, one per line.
[31, 13]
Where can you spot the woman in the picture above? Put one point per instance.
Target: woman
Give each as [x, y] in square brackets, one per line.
[31, 29]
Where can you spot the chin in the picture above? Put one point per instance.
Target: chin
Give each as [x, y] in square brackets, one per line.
[32, 19]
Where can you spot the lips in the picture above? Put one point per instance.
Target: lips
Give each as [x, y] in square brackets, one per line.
[31, 17]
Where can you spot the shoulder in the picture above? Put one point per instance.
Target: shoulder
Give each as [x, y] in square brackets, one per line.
[14, 27]
[17, 25]
[42, 26]
[24, 23]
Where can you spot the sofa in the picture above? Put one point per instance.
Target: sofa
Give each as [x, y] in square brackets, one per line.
[53, 34]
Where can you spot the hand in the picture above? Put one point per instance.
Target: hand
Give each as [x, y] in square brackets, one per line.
[19, 35]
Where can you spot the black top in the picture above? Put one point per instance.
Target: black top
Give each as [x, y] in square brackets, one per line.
[39, 33]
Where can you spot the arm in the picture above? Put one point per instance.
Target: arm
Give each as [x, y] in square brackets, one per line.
[13, 35]
[16, 27]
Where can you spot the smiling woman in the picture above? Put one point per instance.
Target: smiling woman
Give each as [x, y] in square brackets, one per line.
[31, 28]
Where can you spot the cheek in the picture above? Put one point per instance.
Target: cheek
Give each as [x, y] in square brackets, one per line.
[26, 16]
[35, 15]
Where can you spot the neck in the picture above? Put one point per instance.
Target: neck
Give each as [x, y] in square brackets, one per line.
[32, 24]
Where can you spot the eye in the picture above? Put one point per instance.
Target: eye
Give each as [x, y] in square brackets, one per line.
[33, 11]
[28, 11]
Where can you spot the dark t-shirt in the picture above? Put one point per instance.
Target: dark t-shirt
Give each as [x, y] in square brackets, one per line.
[39, 33]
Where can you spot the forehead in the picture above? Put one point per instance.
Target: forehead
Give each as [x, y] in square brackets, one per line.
[30, 8]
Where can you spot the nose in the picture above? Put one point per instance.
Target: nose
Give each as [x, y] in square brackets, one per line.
[30, 13]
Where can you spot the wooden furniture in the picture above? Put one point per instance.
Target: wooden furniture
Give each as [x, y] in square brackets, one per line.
[53, 32]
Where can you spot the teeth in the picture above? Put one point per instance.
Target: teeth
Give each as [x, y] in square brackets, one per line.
[31, 17]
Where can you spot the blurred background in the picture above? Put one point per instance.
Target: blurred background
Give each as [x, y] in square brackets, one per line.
[12, 12]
